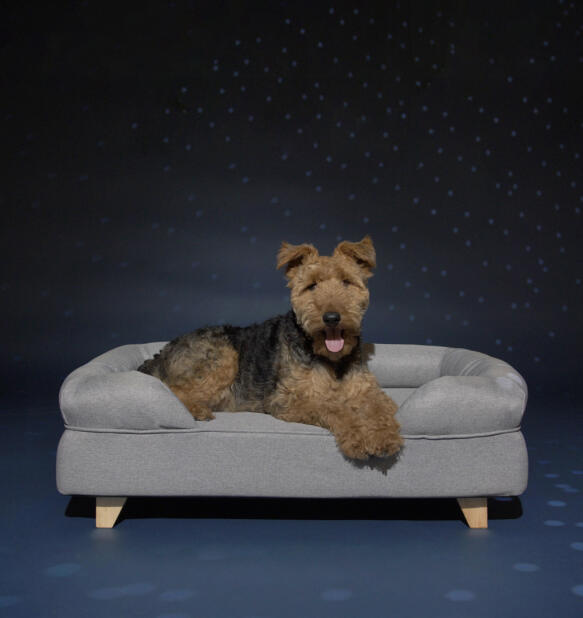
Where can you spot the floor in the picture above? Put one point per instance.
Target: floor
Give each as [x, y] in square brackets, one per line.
[279, 558]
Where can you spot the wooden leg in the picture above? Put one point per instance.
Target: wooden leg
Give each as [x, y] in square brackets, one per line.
[107, 511]
[475, 511]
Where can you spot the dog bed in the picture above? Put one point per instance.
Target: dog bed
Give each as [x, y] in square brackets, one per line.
[126, 434]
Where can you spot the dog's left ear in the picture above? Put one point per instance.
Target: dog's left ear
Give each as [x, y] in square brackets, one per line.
[293, 256]
[362, 253]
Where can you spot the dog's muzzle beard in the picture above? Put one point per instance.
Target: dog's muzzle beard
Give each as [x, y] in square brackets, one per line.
[333, 333]
[330, 341]
[334, 343]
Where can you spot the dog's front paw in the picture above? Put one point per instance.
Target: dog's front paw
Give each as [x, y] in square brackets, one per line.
[382, 441]
[386, 440]
[352, 445]
[384, 446]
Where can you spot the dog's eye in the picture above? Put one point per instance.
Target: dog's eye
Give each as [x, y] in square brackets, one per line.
[347, 282]
[312, 286]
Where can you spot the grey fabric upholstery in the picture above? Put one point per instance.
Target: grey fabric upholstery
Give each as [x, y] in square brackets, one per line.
[286, 461]
[475, 393]
[396, 365]
[460, 413]
[109, 393]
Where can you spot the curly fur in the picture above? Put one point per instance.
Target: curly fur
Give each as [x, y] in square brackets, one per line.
[284, 366]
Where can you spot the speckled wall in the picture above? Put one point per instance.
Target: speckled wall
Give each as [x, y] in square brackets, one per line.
[155, 158]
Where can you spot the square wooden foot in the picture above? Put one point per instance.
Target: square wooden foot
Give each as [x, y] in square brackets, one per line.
[475, 511]
[107, 510]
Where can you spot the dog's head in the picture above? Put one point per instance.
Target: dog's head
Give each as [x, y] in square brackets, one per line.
[329, 294]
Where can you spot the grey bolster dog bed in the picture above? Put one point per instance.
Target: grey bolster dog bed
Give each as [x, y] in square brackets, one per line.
[126, 434]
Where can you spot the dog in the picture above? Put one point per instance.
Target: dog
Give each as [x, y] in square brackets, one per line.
[305, 366]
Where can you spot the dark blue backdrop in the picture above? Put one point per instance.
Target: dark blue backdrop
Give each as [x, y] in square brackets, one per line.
[154, 160]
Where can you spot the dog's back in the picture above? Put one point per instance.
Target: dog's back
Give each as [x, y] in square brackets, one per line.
[258, 349]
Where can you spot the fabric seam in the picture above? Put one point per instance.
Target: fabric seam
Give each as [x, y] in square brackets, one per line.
[143, 432]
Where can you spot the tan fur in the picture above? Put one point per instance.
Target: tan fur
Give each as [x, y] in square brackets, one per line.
[202, 377]
[339, 287]
[354, 409]
[334, 390]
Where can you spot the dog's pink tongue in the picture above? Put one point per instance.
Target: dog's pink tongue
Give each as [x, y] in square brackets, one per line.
[334, 341]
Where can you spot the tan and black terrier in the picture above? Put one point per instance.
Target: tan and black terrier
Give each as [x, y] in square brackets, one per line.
[305, 366]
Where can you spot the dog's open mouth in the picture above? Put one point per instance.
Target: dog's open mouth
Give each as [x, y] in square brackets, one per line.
[333, 339]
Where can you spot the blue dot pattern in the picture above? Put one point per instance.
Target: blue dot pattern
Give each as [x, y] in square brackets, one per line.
[63, 570]
[152, 187]
[460, 595]
[172, 557]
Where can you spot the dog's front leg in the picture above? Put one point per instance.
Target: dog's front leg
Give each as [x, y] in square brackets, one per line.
[360, 430]
[357, 413]
[366, 424]
[343, 424]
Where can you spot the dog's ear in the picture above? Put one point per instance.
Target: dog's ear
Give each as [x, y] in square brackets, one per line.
[292, 256]
[362, 253]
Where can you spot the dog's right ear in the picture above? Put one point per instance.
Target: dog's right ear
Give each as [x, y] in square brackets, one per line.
[362, 253]
[292, 256]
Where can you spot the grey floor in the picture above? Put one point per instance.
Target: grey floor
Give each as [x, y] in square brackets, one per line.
[262, 558]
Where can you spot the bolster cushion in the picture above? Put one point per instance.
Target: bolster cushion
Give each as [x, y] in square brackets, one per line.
[474, 394]
[108, 393]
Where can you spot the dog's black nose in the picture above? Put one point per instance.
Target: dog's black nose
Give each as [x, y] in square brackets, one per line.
[331, 318]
